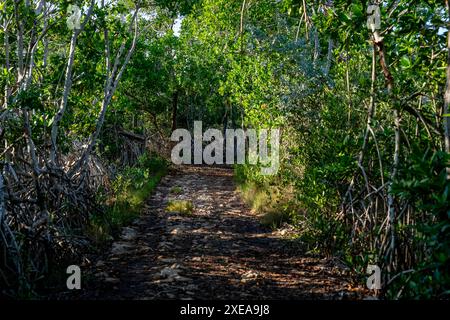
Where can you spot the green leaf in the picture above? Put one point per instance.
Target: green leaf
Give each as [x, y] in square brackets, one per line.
[357, 10]
[405, 62]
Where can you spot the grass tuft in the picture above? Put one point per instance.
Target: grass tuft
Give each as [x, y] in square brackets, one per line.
[273, 205]
[184, 207]
[176, 190]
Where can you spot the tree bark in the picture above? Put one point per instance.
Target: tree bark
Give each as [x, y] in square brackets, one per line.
[305, 14]
[370, 114]
[174, 109]
[378, 40]
[110, 87]
[2, 200]
[19, 35]
[447, 98]
[329, 56]
[7, 61]
[67, 85]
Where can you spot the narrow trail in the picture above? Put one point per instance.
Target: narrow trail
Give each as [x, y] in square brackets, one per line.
[219, 252]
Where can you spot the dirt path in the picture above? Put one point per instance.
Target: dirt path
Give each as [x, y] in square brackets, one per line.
[219, 252]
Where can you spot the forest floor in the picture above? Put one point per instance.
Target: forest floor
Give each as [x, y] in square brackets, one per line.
[219, 251]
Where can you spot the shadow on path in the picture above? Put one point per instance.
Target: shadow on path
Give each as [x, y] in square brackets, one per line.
[219, 252]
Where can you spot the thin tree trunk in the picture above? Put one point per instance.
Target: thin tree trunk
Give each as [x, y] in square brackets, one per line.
[316, 45]
[370, 114]
[447, 98]
[305, 14]
[7, 62]
[174, 109]
[31, 145]
[329, 56]
[19, 35]
[45, 39]
[2, 200]
[32, 47]
[110, 88]
[67, 86]
[241, 26]
[378, 40]
[63, 104]
[297, 33]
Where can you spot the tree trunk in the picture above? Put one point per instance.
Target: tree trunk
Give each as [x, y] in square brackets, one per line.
[2, 200]
[67, 85]
[447, 99]
[391, 214]
[19, 35]
[241, 25]
[329, 56]
[174, 109]
[110, 87]
[7, 63]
